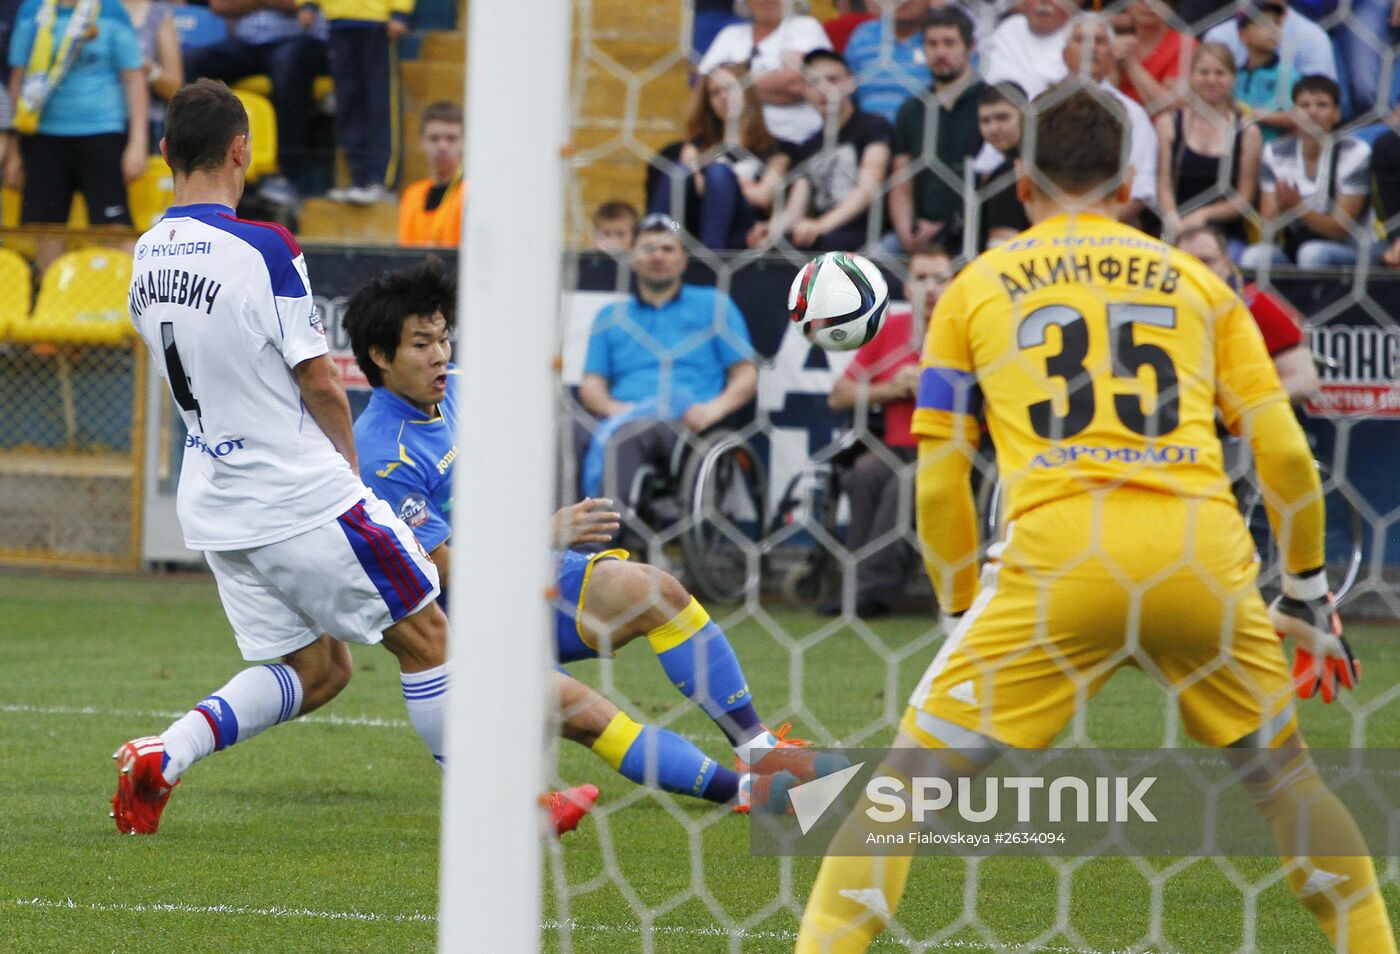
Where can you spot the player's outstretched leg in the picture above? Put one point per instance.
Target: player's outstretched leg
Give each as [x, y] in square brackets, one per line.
[419, 642]
[254, 700]
[1339, 890]
[626, 600]
[644, 754]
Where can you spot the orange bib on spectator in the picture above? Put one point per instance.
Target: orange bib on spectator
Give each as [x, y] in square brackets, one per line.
[441, 226]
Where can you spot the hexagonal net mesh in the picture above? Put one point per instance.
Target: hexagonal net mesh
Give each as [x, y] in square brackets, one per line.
[1085, 396]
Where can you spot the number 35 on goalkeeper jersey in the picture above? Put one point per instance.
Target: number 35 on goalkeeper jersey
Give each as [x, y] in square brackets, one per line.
[225, 306]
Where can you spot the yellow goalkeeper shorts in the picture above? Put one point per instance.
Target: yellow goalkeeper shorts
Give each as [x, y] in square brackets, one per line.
[1084, 585]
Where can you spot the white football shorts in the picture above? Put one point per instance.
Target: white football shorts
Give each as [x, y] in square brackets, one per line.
[352, 577]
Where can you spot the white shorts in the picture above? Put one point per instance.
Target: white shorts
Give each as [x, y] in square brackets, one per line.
[352, 577]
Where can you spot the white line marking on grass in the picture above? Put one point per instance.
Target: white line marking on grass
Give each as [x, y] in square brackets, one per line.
[883, 940]
[372, 722]
[272, 912]
[68, 904]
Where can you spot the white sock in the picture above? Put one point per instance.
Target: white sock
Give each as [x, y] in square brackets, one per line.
[425, 695]
[762, 739]
[256, 699]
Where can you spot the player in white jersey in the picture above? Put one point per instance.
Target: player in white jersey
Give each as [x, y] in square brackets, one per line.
[306, 558]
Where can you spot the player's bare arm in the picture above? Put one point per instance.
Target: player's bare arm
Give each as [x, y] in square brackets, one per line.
[323, 393]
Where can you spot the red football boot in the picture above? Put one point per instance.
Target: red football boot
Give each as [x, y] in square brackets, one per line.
[142, 790]
[567, 808]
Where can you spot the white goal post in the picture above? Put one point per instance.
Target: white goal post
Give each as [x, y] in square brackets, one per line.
[516, 126]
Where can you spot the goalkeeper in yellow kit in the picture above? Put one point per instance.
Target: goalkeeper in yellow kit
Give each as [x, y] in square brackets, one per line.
[1098, 358]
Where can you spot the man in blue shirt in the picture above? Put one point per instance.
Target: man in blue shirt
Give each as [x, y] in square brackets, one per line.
[669, 363]
[399, 327]
[887, 58]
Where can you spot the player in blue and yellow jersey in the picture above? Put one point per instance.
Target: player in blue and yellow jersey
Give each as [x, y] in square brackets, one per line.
[1098, 359]
[400, 326]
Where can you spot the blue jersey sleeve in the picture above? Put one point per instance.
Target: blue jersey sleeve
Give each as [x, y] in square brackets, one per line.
[734, 344]
[599, 358]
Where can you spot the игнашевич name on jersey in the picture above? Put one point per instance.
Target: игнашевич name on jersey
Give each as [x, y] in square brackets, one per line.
[174, 286]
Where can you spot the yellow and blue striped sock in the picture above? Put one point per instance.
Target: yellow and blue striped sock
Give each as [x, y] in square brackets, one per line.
[661, 759]
[697, 657]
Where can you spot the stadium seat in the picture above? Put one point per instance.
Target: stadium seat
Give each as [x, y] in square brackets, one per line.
[262, 121]
[150, 195]
[10, 200]
[198, 26]
[9, 207]
[262, 85]
[18, 285]
[82, 300]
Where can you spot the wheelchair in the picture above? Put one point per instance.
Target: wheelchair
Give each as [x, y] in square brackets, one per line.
[812, 499]
[811, 502]
[712, 501]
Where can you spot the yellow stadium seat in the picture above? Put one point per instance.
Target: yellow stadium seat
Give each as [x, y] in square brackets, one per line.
[82, 300]
[11, 199]
[77, 212]
[150, 195]
[262, 123]
[9, 207]
[18, 290]
[262, 85]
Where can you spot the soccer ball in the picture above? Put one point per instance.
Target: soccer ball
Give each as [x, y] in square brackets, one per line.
[838, 301]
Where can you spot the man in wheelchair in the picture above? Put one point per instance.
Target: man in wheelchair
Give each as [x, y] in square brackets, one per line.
[885, 375]
[663, 367]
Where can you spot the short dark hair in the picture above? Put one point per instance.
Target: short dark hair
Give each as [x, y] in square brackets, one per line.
[950, 17]
[615, 209]
[1008, 92]
[1251, 11]
[1079, 133]
[830, 56]
[375, 314]
[933, 249]
[441, 112]
[201, 120]
[1317, 83]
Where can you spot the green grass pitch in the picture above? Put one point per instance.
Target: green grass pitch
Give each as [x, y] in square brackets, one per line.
[323, 835]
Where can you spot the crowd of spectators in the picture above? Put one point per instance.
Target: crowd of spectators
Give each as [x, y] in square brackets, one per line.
[88, 79]
[872, 131]
[895, 125]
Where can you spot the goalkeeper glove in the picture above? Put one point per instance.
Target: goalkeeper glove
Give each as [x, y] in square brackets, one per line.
[950, 622]
[1321, 657]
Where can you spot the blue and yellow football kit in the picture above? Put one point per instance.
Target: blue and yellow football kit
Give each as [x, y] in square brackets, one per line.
[1098, 358]
[406, 458]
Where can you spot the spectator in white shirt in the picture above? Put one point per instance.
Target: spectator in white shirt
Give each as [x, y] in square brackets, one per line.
[1315, 188]
[1028, 48]
[1089, 55]
[1305, 46]
[773, 45]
